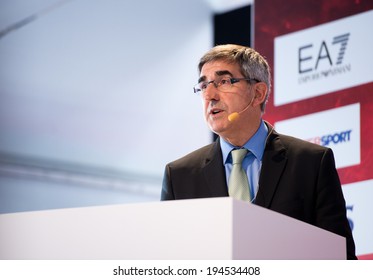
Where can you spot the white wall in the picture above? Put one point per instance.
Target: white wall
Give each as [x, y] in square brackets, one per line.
[99, 92]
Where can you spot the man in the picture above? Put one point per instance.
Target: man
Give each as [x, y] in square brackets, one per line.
[284, 174]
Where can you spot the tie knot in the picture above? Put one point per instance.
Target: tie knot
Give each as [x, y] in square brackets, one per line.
[238, 155]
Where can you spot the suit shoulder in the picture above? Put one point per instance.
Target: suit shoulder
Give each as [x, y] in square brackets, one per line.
[195, 158]
[278, 141]
[290, 141]
[293, 145]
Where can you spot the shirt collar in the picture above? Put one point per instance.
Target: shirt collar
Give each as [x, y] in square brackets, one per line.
[255, 144]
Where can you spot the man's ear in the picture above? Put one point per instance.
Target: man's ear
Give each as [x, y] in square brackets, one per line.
[260, 93]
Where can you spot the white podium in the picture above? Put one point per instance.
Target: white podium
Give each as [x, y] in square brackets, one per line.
[215, 228]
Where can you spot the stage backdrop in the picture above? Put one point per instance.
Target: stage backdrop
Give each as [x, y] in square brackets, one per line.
[321, 56]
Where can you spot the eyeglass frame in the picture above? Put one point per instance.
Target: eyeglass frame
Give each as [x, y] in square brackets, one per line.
[217, 86]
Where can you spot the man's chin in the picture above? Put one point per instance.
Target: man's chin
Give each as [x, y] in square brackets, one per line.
[218, 129]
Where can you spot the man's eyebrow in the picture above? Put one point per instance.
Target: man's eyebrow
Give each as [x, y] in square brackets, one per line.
[217, 73]
[223, 73]
[201, 79]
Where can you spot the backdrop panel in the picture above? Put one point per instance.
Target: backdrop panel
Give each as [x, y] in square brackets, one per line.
[323, 88]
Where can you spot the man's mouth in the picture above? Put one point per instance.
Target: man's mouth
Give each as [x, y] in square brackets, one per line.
[215, 111]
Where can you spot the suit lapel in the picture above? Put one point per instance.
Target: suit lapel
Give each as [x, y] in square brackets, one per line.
[274, 161]
[214, 171]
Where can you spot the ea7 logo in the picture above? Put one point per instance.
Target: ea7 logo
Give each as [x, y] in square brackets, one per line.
[326, 55]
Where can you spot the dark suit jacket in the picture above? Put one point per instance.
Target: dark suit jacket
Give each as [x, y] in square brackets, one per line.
[298, 179]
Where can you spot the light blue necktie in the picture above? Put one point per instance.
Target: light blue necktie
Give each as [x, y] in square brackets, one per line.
[238, 185]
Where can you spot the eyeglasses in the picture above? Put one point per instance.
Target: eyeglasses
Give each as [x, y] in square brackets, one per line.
[223, 84]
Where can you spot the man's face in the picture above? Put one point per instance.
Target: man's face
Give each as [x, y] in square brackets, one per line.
[219, 105]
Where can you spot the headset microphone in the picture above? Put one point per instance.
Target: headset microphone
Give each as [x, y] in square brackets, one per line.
[235, 115]
[232, 117]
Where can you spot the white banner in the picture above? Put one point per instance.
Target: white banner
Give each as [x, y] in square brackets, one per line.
[338, 129]
[359, 208]
[323, 59]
